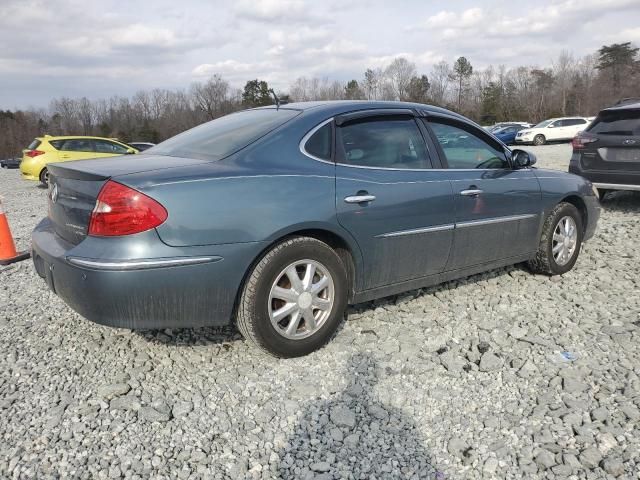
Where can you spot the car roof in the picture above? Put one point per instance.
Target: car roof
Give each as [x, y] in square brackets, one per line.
[623, 106]
[69, 137]
[336, 107]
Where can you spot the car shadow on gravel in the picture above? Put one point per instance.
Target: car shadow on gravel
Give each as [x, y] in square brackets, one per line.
[446, 286]
[228, 335]
[189, 337]
[626, 202]
[354, 435]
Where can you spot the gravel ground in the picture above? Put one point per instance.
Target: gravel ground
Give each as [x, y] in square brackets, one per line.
[464, 380]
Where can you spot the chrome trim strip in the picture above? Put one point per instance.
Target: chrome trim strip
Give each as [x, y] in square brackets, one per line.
[617, 186]
[416, 231]
[489, 221]
[140, 264]
[309, 135]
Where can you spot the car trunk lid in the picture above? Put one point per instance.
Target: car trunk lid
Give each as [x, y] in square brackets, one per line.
[72, 197]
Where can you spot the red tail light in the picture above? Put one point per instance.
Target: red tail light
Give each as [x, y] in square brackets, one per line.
[581, 140]
[34, 153]
[121, 210]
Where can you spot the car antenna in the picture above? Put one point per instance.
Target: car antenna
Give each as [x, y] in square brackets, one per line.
[275, 97]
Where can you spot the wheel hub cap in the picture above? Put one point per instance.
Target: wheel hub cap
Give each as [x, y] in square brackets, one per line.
[301, 299]
[304, 300]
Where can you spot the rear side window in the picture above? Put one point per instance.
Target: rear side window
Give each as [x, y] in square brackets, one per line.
[617, 123]
[319, 144]
[77, 145]
[57, 144]
[225, 135]
[573, 122]
[33, 145]
[384, 143]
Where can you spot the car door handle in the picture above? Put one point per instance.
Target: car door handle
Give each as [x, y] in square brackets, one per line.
[359, 198]
[65, 156]
[472, 192]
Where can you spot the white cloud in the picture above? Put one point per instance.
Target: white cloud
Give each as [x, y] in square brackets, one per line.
[116, 47]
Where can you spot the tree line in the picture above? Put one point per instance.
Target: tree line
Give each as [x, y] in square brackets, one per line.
[569, 86]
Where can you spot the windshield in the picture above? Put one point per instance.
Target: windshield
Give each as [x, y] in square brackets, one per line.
[617, 123]
[543, 124]
[225, 135]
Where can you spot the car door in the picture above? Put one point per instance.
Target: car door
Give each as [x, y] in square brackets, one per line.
[75, 149]
[398, 208]
[497, 207]
[555, 130]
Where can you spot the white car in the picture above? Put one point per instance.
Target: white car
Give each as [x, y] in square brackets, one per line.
[552, 130]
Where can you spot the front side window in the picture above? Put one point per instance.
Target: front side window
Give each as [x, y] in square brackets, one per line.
[465, 150]
[104, 146]
[223, 136]
[319, 144]
[543, 124]
[383, 143]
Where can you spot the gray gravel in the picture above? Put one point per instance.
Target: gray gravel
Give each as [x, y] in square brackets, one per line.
[465, 380]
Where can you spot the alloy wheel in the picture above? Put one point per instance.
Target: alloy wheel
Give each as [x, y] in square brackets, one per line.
[301, 299]
[565, 239]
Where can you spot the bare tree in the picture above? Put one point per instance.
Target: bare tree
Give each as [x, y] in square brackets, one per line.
[399, 74]
[440, 80]
[563, 69]
[211, 96]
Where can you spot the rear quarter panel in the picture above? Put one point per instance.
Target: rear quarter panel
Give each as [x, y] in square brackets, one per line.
[257, 194]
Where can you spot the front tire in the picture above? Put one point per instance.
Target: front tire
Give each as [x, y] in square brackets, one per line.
[602, 192]
[539, 140]
[294, 298]
[560, 241]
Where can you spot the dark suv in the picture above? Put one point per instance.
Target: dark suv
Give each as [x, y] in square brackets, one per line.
[608, 152]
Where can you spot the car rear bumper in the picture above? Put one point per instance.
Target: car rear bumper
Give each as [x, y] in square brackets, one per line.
[606, 179]
[165, 292]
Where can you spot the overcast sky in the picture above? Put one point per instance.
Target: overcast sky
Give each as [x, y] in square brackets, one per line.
[75, 48]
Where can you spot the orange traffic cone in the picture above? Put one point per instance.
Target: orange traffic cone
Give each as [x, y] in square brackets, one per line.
[8, 253]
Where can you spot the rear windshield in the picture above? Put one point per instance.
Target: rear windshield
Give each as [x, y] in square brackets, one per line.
[617, 123]
[222, 137]
[33, 145]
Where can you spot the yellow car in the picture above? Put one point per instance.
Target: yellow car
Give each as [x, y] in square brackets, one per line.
[49, 149]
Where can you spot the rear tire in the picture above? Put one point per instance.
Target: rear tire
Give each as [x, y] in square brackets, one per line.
[559, 246]
[44, 177]
[317, 299]
[539, 140]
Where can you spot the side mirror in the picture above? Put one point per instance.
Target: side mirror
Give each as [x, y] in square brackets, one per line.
[522, 158]
[551, 125]
[131, 151]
